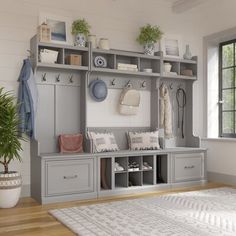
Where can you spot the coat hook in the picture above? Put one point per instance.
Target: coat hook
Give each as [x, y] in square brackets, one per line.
[128, 85]
[171, 86]
[113, 82]
[144, 84]
[31, 55]
[71, 79]
[58, 77]
[44, 77]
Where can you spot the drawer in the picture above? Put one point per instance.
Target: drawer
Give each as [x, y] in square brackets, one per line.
[188, 166]
[70, 176]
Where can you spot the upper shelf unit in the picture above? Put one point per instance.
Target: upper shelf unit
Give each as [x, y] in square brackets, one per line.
[125, 62]
[63, 59]
[180, 68]
[116, 61]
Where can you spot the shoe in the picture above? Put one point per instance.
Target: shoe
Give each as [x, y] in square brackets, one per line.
[118, 167]
[146, 166]
[133, 166]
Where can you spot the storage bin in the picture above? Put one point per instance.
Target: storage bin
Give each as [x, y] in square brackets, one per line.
[48, 56]
[73, 59]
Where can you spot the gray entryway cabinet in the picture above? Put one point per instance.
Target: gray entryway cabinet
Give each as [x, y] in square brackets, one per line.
[63, 105]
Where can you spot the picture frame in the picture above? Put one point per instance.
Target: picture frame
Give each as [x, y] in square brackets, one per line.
[171, 46]
[60, 27]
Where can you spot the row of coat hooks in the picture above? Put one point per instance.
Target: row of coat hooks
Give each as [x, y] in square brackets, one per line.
[143, 84]
[171, 85]
[57, 78]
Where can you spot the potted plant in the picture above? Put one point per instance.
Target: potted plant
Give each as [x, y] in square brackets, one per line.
[80, 29]
[10, 146]
[148, 36]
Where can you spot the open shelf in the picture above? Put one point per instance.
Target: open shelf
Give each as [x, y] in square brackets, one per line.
[61, 66]
[161, 169]
[135, 178]
[106, 174]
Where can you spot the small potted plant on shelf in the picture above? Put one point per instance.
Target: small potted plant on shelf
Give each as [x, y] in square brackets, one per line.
[10, 146]
[80, 29]
[148, 36]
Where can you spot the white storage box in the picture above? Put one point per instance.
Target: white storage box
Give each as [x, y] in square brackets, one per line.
[48, 56]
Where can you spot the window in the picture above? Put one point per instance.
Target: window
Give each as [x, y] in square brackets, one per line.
[227, 87]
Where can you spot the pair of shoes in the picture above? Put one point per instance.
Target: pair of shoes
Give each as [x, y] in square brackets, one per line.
[118, 167]
[133, 166]
[146, 166]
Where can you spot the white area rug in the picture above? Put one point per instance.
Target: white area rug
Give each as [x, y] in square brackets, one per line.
[206, 212]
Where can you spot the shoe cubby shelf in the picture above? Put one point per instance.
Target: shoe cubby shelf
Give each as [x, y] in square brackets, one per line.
[113, 57]
[127, 172]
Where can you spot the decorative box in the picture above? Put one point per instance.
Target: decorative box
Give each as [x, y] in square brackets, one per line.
[73, 59]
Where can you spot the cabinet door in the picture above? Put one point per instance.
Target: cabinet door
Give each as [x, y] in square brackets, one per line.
[188, 166]
[69, 176]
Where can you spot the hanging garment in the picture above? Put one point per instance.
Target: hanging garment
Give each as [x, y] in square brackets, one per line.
[165, 112]
[28, 99]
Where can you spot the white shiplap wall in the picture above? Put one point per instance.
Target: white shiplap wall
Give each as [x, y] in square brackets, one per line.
[119, 20]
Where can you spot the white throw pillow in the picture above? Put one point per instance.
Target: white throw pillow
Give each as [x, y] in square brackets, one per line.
[143, 140]
[103, 142]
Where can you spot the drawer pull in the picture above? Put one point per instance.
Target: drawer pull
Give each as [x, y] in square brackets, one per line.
[189, 167]
[71, 177]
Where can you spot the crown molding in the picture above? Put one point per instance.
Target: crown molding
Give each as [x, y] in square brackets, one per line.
[181, 6]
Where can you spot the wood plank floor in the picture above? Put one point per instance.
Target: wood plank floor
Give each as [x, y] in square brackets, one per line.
[29, 218]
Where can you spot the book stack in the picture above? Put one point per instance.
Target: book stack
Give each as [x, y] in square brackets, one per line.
[129, 67]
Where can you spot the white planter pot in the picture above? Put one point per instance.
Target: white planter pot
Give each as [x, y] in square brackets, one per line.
[10, 189]
[149, 49]
[80, 40]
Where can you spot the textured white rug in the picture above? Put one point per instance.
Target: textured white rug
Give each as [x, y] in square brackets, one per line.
[206, 212]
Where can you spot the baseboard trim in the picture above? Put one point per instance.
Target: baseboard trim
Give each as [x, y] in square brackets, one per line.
[221, 178]
[25, 190]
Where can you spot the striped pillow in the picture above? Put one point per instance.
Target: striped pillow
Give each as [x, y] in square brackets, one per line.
[103, 142]
[143, 140]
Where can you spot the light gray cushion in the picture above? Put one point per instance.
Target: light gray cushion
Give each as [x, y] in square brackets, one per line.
[103, 142]
[143, 140]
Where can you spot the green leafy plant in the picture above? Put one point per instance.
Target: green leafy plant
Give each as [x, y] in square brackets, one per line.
[10, 144]
[149, 34]
[80, 26]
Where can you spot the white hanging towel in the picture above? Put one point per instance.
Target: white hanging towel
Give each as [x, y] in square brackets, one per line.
[165, 112]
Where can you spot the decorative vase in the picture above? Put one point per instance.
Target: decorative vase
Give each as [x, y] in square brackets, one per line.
[80, 40]
[10, 189]
[149, 49]
[187, 55]
[167, 67]
[104, 44]
[92, 38]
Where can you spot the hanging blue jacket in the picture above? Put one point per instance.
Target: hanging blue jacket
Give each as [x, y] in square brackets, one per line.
[28, 99]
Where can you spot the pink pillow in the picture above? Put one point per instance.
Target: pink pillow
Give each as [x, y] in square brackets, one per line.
[71, 143]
